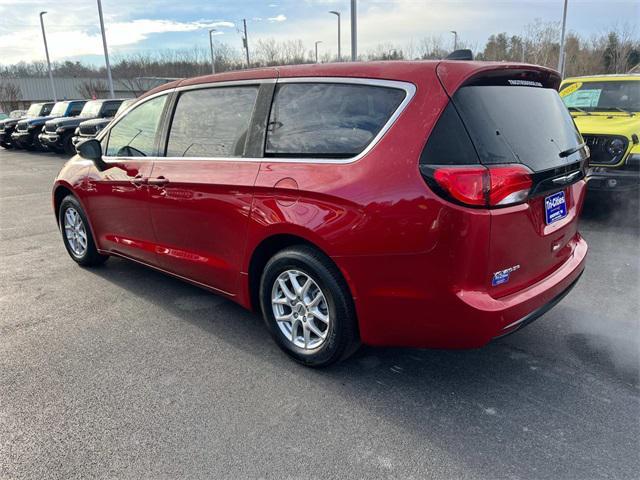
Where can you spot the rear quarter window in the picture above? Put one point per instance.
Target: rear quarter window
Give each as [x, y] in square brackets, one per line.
[328, 120]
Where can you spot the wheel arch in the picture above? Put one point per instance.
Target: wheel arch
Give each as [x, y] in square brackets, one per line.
[62, 190]
[271, 245]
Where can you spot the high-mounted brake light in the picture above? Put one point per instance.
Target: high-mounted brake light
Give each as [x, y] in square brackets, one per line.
[494, 186]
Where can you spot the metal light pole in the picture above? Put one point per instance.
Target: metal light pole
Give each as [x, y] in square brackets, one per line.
[319, 41]
[213, 61]
[245, 41]
[455, 40]
[564, 24]
[338, 15]
[354, 31]
[46, 50]
[106, 50]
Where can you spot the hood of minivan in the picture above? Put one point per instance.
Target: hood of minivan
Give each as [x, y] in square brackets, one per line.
[608, 124]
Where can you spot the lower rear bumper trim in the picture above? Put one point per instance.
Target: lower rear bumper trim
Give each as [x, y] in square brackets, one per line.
[531, 317]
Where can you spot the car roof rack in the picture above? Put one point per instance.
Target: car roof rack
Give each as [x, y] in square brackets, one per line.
[462, 54]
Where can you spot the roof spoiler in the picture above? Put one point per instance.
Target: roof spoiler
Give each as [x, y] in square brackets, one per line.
[463, 54]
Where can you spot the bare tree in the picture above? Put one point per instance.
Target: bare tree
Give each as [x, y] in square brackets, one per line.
[9, 96]
[93, 89]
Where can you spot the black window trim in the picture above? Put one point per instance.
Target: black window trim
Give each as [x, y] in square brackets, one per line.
[254, 149]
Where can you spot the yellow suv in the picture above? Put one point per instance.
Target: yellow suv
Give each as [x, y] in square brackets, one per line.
[606, 109]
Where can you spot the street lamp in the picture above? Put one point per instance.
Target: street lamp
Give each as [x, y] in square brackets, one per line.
[455, 40]
[213, 64]
[106, 51]
[338, 15]
[561, 57]
[46, 51]
[319, 41]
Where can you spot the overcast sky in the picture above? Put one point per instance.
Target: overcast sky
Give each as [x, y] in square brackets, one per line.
[143, 26]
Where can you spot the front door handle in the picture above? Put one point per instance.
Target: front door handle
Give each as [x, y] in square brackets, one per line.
[139, 180]
[158, 181]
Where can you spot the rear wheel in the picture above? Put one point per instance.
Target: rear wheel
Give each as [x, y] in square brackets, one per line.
[307, 307]
[76, 234]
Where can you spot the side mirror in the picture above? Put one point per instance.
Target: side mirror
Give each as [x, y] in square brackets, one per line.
[91, 150]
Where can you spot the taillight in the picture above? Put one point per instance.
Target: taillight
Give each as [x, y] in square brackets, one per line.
[494, 186]
[509, 184]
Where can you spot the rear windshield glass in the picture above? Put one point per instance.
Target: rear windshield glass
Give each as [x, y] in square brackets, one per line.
[324, 120]
[602, 96]
[510, 124]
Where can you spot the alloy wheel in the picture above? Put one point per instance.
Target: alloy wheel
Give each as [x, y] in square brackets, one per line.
[300, 309]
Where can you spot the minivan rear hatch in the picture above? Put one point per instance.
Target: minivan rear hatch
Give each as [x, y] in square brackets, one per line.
[515, 117]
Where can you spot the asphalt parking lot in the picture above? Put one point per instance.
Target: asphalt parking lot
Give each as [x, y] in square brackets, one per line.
[122, 372]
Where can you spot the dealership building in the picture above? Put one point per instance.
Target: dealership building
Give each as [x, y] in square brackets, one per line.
[19, 93]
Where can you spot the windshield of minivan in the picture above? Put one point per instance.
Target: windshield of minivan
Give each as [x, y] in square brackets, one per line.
[59, 109]
[91, 109]
[34, 110]
[515, 124]
[622, 95]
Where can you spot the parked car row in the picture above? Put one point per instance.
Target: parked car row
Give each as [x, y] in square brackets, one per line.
[59, 126]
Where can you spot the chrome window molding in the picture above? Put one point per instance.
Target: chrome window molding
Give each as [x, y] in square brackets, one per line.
[409, 88]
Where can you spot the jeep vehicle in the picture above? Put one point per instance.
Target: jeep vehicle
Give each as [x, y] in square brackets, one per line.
[28, 129]
[606, 109]
[8, 126]
[425, 204]
[57, 133]
[90, 128]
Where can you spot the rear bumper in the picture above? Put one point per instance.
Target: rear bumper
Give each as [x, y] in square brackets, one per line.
[610, 179]
[437, 317]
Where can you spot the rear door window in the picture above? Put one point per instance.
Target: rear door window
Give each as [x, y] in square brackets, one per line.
[212, 122]
[328, 120]
[518, 124]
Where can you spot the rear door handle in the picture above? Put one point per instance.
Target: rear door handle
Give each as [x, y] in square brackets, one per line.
[158, 181]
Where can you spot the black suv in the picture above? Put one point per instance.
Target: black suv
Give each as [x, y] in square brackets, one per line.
[57, 133]
[27, 130]
[90, 128]
[8, 125]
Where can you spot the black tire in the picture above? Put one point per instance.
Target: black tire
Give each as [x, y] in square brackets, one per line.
[90, 257]
[8, 146]
[68, 147]
[341, 334]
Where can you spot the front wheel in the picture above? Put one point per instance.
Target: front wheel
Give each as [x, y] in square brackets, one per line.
[76, 234]
[307, 307]
[68, 147]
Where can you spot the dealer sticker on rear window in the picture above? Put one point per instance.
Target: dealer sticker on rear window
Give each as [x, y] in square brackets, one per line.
[555, 207]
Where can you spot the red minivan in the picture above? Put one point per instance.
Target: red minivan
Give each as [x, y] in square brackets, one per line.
[422, 204]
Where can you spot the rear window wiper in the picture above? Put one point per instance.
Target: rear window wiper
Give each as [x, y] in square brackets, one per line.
[577, 109]
[569, 151]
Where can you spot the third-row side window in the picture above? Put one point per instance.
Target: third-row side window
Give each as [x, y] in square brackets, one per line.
[212, 122]
[328, 120]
